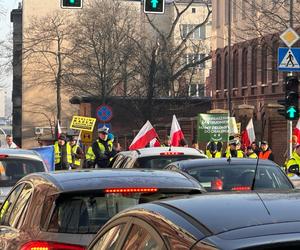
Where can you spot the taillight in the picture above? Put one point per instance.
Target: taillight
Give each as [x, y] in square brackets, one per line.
[44, 245]
[217, 184]
[241, 188]
[3, 156]
[172, 153]
[131, 190]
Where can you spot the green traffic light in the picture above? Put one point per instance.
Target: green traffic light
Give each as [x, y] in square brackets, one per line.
[291, 112]
[72, 1]
[154, 3]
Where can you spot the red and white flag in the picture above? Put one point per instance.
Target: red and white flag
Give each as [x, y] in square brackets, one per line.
[176, 133]
[248, 135]
[58, 129]
[154, 143]
[145, 135]
[296, 131]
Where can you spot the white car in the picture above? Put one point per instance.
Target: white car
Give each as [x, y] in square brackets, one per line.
[15, 164]
[154, 157]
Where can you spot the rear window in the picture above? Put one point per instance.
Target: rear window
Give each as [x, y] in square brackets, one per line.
[159, 162]
[240, 178]
[87, 213]
[12, 170]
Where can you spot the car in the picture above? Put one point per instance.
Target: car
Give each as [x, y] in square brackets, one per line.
[227, 220]
[154, 157]
[15, 164]
[64, 209]
[234, 174]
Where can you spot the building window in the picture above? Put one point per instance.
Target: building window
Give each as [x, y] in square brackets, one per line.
[264, 66]
[235, 68]
[191, 58]
[244, 67]
[193, 10]
[218, 72]
[254, 66]
[196, 89]
[274, 61]
[198, 33]
[226, 70]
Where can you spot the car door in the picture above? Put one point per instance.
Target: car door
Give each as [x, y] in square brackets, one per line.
[12, 215]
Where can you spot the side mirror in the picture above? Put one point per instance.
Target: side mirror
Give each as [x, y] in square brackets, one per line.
[294, 170]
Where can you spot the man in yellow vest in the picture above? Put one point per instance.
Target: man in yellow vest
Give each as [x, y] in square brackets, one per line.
[293, 163]
[77, 152]
[213, 149]
[103, 149]
[250, 153]
[62, 153]
[232, 150]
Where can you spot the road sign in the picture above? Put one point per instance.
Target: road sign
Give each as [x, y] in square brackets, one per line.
[83, 123]
[86, 137]
[108, 125]
[288, 59]
[104, 113]
[289, 37]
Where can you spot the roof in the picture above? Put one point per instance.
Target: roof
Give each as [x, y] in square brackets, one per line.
[224, 212]
[93, 179]
[221, 161]
[24, 153]
[157, 150]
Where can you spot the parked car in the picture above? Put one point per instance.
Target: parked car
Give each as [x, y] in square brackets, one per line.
[64, 209]
[154, 157]
[236, 174]
[15, 164]
[236, 220]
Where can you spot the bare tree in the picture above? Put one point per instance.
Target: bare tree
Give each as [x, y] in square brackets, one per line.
[46, 51]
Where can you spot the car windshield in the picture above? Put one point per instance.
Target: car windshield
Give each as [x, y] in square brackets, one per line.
[12, 170]
[159, 162]
[239, 178]
[78, 213]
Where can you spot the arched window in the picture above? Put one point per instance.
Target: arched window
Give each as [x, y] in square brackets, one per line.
[274, 61]
[235, 68]
[244, 67]
[218, 72]
[264, 64]
[254, 66]
[226, 71]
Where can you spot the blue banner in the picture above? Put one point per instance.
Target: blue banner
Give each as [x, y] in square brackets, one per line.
[47, 153]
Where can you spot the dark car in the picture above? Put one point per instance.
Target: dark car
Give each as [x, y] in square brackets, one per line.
[154, 157]
[235, 174]
[236, 220]
[15, 164]
[63, 210]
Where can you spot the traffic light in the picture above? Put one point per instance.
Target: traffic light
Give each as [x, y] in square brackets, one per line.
[154, 6]
[71, 4]
[291, 98]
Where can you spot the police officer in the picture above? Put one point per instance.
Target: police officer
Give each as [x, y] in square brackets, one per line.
[232, 150]
[89, 158]
[77, 152]
[102, 149]
[213, 149]
[293, 163]
[62, 153]
[250, 153]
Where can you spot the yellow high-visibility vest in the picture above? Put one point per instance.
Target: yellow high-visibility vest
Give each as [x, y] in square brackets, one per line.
[76, 161]
[57, 153]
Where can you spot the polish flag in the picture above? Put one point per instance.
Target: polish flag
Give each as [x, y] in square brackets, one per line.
[296, 130]
[58, 129]
[176, 133]
[145, 135]
[154, 143]
[248, 135]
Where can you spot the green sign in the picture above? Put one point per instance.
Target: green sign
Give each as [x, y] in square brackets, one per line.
[212, 127]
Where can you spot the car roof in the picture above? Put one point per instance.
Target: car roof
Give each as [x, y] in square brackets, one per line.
[152, 151]
[221, 161]
[94, 179]
[21, 153]
[223, 212]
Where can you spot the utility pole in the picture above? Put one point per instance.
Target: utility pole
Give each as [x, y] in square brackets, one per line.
[229, 85]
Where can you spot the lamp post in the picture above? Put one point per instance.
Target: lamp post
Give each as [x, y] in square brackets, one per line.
[229, 87]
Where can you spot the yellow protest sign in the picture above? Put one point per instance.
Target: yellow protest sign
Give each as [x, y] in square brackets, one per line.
[83, 123]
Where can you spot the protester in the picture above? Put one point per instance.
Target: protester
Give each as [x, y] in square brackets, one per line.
[232, 150]
[250, 153]
[255, 148]
[266, 152]
[62, 153]
[214, 149]
[77, 153]
[9, 142]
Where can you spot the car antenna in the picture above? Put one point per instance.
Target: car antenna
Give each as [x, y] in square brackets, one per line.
[254, 177]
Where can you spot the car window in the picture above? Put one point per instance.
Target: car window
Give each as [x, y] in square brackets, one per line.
[8, 205]
[140, 238]
[12, 170]
[109, 240]
[226, 178]
[159, 162]
[76, 213]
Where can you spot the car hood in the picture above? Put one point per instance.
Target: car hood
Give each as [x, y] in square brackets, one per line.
[4, 191]
[224, 212]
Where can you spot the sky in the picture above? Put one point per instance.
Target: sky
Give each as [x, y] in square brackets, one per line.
[6, 27]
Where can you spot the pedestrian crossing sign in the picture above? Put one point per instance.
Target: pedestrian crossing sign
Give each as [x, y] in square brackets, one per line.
[289, 59]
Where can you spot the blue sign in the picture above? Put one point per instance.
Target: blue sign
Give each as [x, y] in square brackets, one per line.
[104, 113]
[47, 154]
[289, 59]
